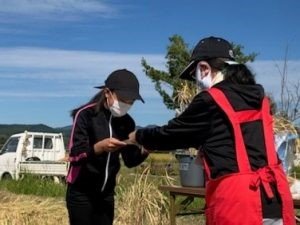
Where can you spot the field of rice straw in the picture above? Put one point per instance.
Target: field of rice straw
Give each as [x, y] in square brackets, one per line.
[138, 202]
[18, 209]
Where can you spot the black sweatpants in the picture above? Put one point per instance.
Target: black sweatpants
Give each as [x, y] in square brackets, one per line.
[89, 207]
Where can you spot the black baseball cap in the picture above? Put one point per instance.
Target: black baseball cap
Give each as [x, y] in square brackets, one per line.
[208, 48]
[124, 83]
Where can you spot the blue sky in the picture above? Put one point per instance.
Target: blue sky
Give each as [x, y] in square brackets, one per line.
[53, 52]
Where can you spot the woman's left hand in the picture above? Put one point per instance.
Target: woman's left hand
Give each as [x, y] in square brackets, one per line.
[108, 145]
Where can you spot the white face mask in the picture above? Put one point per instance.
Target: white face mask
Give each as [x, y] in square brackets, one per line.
[205, 82]
[119, 108]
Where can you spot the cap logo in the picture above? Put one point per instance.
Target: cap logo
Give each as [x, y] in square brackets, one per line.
[231, 53]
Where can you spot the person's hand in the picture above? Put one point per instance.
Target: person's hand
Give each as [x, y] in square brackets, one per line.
[108, 145]
[131, 138]
[145, 151]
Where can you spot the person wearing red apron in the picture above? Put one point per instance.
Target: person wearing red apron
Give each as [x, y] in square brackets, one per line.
[230, 121]
[234, 198]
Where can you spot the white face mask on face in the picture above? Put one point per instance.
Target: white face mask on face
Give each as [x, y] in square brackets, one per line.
[119, 108]
[205, 82]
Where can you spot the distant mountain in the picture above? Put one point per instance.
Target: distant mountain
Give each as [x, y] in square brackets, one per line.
[66, 128]
[148, 126]
[6, 130]
[10, 129]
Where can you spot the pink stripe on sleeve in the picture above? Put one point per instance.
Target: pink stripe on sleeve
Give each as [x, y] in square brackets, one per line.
[74, 170]
[77, 158]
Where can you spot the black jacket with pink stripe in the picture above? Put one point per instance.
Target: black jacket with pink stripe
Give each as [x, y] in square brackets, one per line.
[87, 170]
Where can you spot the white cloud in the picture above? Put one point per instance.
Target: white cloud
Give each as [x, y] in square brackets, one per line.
[67, 70]
[69, 59]
[29, 76]
[45, 8]
[73, 73]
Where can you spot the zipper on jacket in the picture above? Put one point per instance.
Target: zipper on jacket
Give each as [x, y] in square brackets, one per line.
[108, 157]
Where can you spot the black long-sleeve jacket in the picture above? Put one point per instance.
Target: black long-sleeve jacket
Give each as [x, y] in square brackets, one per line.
[87, 170]
[204, 125]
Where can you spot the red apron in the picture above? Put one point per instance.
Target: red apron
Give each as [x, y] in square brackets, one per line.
[234, 199]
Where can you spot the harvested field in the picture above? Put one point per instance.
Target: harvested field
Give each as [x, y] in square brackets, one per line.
[138, 202]
[16, 209]
[32, 210]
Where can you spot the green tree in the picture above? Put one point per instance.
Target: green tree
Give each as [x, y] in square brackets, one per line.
[240, 56]
[177, 56]
[177, 93]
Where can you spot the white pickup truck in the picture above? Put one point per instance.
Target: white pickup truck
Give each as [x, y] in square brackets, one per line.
[35, 153]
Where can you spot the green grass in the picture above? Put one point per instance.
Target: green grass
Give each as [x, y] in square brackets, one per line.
[296, 172]
[162, 157]
[160, 163]
[31, 185]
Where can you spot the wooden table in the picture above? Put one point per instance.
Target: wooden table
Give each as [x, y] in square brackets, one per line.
[175, 191]
[194, 192]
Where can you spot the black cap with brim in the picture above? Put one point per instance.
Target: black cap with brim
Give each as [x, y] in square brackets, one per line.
[125, 84]
[128, 95]
[125, 94]
[188, 72]
[208, 48]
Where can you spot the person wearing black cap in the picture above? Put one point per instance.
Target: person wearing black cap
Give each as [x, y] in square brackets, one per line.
[99, 128]
[229, 122]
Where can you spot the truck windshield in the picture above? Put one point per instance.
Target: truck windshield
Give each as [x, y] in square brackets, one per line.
[10, 145]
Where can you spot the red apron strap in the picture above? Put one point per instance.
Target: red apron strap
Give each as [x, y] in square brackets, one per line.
[248, 115]
[268, 133]
[241, 153]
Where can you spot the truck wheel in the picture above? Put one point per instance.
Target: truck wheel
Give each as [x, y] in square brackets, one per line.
[55, 179]
[6, 176]
[47, 178]
[63, 180]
